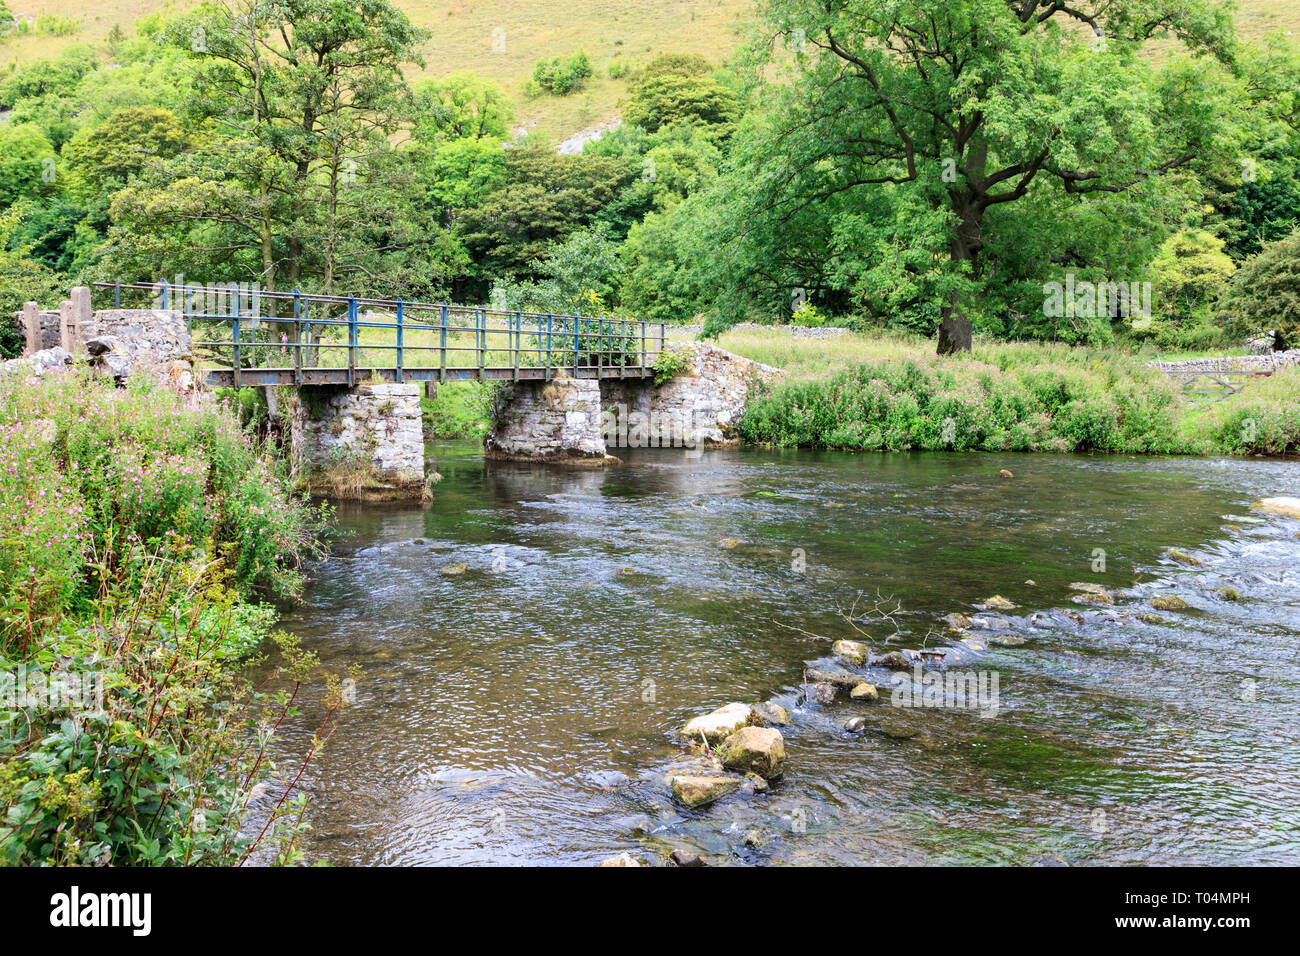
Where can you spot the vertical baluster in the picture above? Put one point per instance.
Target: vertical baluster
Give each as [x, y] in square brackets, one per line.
[643, 355]
[352, 340]
[117, 294]
[442, 344]
[234, 326]
[548, 345]
[297, 336]
[401, 376]
[480, 326]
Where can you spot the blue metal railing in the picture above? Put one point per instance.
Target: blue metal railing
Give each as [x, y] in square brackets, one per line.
[239, 328]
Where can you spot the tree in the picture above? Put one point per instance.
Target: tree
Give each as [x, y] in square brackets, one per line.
[1265, 294]
[28, 166]
[965, 107]
[22, 279]
[106, 156]
[580, 276]
[1191, 271]
[461, 106]
[672, 98]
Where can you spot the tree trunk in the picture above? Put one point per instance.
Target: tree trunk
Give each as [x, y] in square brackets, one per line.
[954, 323]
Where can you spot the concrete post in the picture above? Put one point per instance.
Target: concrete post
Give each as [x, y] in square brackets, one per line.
[67, 325]
[32, 325]
[82, 315]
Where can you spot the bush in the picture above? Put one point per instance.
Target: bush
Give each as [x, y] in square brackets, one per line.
[561, 77]
[135, 528]
[1190, 271]
[1265, 294]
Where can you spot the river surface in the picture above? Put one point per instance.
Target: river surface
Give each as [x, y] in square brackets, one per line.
[523, 712]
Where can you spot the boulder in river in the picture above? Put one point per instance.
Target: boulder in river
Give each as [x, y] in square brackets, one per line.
[759, 750]
[865, 692]
[1282, 506]
[682, 858]
[623, 859]
[853, 653]
[1168, 602]
[894, 661]
[835, 676]
[821, 693]
[957, 622]
[701, 791]
[1093, 597]
[998, 603]
[1182, 557]
[854, 724]
[453, 570]
[1155, 619]
[722, 723]
[1007, 640]
[773, 713]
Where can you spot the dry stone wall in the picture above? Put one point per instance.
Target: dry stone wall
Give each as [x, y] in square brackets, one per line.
[549, 421]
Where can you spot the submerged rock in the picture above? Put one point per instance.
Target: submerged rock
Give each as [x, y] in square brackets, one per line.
[759, 750]
[1167, 602]
[853, 653]
[1152, 619]
[1087, 587]
[722, 723]
[453, 570]
[1287, 506]
[682, 858]
[1229, 594]
[998, 603]
[855, 724]
[1005, 473]
[1182, 557]
[726, 544]
[774, 713]
[1007, 640]
[1093, 597]
[700, 791]
[623, 859]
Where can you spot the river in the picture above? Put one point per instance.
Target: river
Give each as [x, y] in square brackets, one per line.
[522, 712]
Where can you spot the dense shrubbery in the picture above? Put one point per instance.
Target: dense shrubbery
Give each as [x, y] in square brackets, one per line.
[561, 76]
[135, 529]
[1052, 406]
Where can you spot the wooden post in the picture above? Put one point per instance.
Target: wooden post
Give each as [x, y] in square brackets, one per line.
[67, 325]
[32, 325]
[83, 316]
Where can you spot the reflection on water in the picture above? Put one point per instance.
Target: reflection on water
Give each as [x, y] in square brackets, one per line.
[521, 712]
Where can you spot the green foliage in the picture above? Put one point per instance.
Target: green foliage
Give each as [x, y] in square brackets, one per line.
[579, 275]
[561, 76]
[670, 98]
[670, 363]
[460, 410]
[134, 528]
[461, 106]
[28, 166]
[22, 279]
[1190, 272]
[1265, 294]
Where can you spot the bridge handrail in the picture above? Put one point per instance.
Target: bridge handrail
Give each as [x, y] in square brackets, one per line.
[571, 341]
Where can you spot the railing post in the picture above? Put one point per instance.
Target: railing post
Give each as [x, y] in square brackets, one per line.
[575, 346]
[548, 345]
[297, 336]
[644, 357]
[234, 338]
[117, 294]
[166, 291]
[442, 344]
[352, 340]
[480, 328]
[518, 339]
[401, 376]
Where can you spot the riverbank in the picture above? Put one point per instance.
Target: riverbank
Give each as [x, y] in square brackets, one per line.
[144, 535]
[858, 393]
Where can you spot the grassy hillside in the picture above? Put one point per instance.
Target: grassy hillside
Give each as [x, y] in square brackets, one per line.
[629, 30]
[632, 31]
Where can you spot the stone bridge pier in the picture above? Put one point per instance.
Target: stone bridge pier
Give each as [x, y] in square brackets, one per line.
[580, 420]
[364, 441]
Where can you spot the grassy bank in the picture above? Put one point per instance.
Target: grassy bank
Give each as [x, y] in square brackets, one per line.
[859, 393]
[139, 534]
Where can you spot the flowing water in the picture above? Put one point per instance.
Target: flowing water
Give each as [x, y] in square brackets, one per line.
[523, 712]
